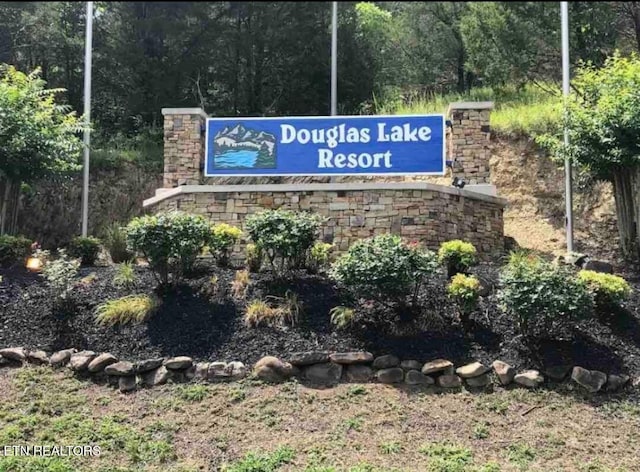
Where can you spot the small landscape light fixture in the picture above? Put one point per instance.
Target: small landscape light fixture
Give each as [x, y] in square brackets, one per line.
[458, 182]
[34, 264]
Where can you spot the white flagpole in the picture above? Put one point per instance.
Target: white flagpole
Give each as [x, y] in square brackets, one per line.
[564, 15]
[87, 115]
[334, 60]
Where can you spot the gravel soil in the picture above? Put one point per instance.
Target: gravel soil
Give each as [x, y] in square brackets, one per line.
[203, 320]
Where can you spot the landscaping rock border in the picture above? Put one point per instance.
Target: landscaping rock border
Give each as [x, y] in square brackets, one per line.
[318, 368]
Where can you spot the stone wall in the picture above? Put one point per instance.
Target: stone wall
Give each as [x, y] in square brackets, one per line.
[468, 141]
[415, 210]
[183, 146]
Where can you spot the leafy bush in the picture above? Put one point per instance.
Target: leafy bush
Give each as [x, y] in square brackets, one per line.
[606, 289]
[85, 248]
[384, 268]
[221, 242]
[169, 241]
[464, 290]
[284, 236]
[115, 241]
[259, 312]
[254, 256]
[457, 256]
[60, 273]
[13, 250]
[341, 316]
[319, 256]
[133, 308]
[125, 275]
[540, 296]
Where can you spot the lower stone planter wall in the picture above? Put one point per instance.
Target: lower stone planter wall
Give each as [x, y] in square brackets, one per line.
[318, 368]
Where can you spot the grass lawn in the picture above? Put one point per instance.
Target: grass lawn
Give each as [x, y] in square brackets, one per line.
[249, 426]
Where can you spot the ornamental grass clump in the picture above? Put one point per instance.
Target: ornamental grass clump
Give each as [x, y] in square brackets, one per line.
[384, 268]
[608, 290]
[130, 309]
[542, 298]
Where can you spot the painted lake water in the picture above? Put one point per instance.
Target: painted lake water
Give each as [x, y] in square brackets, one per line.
[236, 158]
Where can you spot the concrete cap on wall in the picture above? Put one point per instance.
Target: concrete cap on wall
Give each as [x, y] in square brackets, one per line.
[184, 111]
[470, 106]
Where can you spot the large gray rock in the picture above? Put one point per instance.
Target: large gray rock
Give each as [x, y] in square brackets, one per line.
[197, 371]
[529, 378]
[158, 376]
[390, 376]
[328, 373]
[309, 357]
[449, 381]
[237, 370]
[148, 364]
[415, 377]
[18, 354]
[616, 382]
[558, 373]
[479, 381]
[504, 371]
[472, 370]
[438, 365]
[411, 364]
[80, 361]
[218, 371]
[358, 373]
[591, 380]
[103, 360]
[272, 369]
[38, 357]
[598, 266]
[178, 363]
[127, 383]
[123, 368]
[351, 357]
[385, 362]
[61, 358]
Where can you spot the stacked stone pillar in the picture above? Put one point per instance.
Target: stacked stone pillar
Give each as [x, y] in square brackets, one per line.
[184, 144]
[468, 141]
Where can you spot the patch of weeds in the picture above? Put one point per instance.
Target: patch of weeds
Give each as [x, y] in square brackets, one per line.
[221, 442]
[390, 447]
[354, 423]
[357, 390]
[237, 394]
[554, 440]
[193, 393]
[168, 404]
[45, 393]
[447, 457]
[269, 462]
[493, 403]
[596, 466]
[488, 467]
[521, 455]
[481, 431]
[623, 408]
[103, 401]
[269, 417]
[36, 464]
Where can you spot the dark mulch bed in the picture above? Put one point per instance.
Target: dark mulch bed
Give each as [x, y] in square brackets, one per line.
[193, 321]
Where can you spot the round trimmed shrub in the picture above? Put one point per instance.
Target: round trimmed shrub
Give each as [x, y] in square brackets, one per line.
[465, 291]
[85, 248]
[457, 256]
[607, 289]
[13, 250]
[221, 241]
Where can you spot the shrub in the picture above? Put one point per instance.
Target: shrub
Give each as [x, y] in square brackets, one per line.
[169, 241]
[130, 309]
[240, 284]
[341, 316]
[284, 236]
[125, 275]
[115, 241]
[254, 257]
[464, 290]
[606, 289]
[60, 274]
[540, 296]
[221, 241]
[85, 248]
[14, 250]
[457, 256]
[319, 256]
[384, 268]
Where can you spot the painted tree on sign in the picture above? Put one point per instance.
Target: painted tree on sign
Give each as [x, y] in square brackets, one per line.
[37, 137]
[604, 125]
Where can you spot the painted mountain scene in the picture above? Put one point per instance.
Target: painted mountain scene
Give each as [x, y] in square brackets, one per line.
[238, 147]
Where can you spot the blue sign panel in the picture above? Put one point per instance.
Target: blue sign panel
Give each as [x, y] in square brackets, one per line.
[336, 145]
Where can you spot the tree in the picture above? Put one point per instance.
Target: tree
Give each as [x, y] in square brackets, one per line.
[37, 136]
[603, 118]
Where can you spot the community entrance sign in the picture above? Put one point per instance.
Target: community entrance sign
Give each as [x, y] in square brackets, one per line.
[337, 145]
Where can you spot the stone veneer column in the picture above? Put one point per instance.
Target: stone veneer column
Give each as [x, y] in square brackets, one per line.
[183, 146]
[468, 141]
